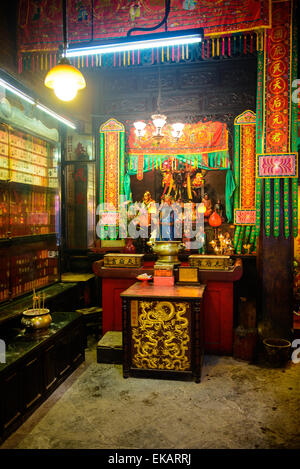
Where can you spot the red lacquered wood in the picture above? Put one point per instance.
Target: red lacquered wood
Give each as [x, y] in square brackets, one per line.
[112, 302]
[218, 317]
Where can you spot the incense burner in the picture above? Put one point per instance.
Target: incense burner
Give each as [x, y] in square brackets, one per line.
[36, 318]
[167, 251]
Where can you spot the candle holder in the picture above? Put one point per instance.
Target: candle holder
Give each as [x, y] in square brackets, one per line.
[247, 248]
[222, 244]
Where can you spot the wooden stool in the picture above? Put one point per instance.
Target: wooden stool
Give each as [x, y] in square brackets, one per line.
[109, 348]
[92, 319]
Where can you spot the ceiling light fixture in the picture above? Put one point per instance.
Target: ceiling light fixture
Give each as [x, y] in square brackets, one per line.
[56, 116]
[145, 41]
[36, 103]
[65, 79]
[17, 92]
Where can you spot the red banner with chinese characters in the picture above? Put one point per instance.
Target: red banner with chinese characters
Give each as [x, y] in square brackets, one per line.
[248, 166]
[297, 240]
[276, 119]
[40, 21]
[245, 158]
[198, 138]
[277, 72]
[112, 135]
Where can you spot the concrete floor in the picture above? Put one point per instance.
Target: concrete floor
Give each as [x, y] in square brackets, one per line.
[236, 405]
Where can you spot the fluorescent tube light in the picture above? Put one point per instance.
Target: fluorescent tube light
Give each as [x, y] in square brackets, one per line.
[56, 116]
[30, 100]
[17, 92]
[131, 43]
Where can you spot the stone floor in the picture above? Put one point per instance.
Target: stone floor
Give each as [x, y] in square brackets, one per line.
[236, 405]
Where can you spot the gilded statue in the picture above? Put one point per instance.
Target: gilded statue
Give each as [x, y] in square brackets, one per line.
[208, 205]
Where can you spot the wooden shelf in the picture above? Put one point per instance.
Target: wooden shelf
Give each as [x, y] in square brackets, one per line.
[22, 185]
[26, 239]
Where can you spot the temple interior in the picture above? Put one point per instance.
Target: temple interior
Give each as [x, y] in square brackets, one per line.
[149, 226]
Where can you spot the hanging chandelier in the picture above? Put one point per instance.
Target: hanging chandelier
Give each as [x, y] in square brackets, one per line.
[159, 121]
[65, 79]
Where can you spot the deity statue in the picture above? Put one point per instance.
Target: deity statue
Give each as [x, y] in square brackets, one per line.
[178, 177]
[168, 183]
[219, 209]
[148, 207]
[208, 205]
[166, 223]
[147, 199]
[198, 185]
[149, 203]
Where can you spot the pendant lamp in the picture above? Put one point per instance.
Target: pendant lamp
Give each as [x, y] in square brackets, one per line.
[65, 79]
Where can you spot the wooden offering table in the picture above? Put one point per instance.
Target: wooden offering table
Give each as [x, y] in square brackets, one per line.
[218, 301]
[163, 331]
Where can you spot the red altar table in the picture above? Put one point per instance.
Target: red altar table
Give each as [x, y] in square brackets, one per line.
[217, 303]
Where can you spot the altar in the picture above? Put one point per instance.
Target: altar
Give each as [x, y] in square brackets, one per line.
[218, 303]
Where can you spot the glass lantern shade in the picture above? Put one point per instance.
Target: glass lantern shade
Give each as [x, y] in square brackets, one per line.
[65, 80]
[139, 128]
[159, 121]
[177, 129]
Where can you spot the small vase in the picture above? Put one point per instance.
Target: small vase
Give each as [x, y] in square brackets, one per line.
[129, 246]
[215, 220]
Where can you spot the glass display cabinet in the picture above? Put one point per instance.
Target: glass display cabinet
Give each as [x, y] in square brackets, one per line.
[29, 197]
[79, 183]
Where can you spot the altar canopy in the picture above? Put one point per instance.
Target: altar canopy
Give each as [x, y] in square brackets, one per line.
[201, 138]
[203, 145]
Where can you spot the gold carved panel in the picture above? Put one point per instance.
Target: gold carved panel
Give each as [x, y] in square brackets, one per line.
[161, 338]
[210, 262]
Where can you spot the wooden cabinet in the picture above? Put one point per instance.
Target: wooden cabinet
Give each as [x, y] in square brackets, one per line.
[25, 382]
[163, 331]
[32, 382]
[62, 356]
[11, 401]
[218, 317]
[49, 371]
[76, 344]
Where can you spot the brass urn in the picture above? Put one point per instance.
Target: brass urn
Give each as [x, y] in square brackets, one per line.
[167, 251]
[36, 318]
